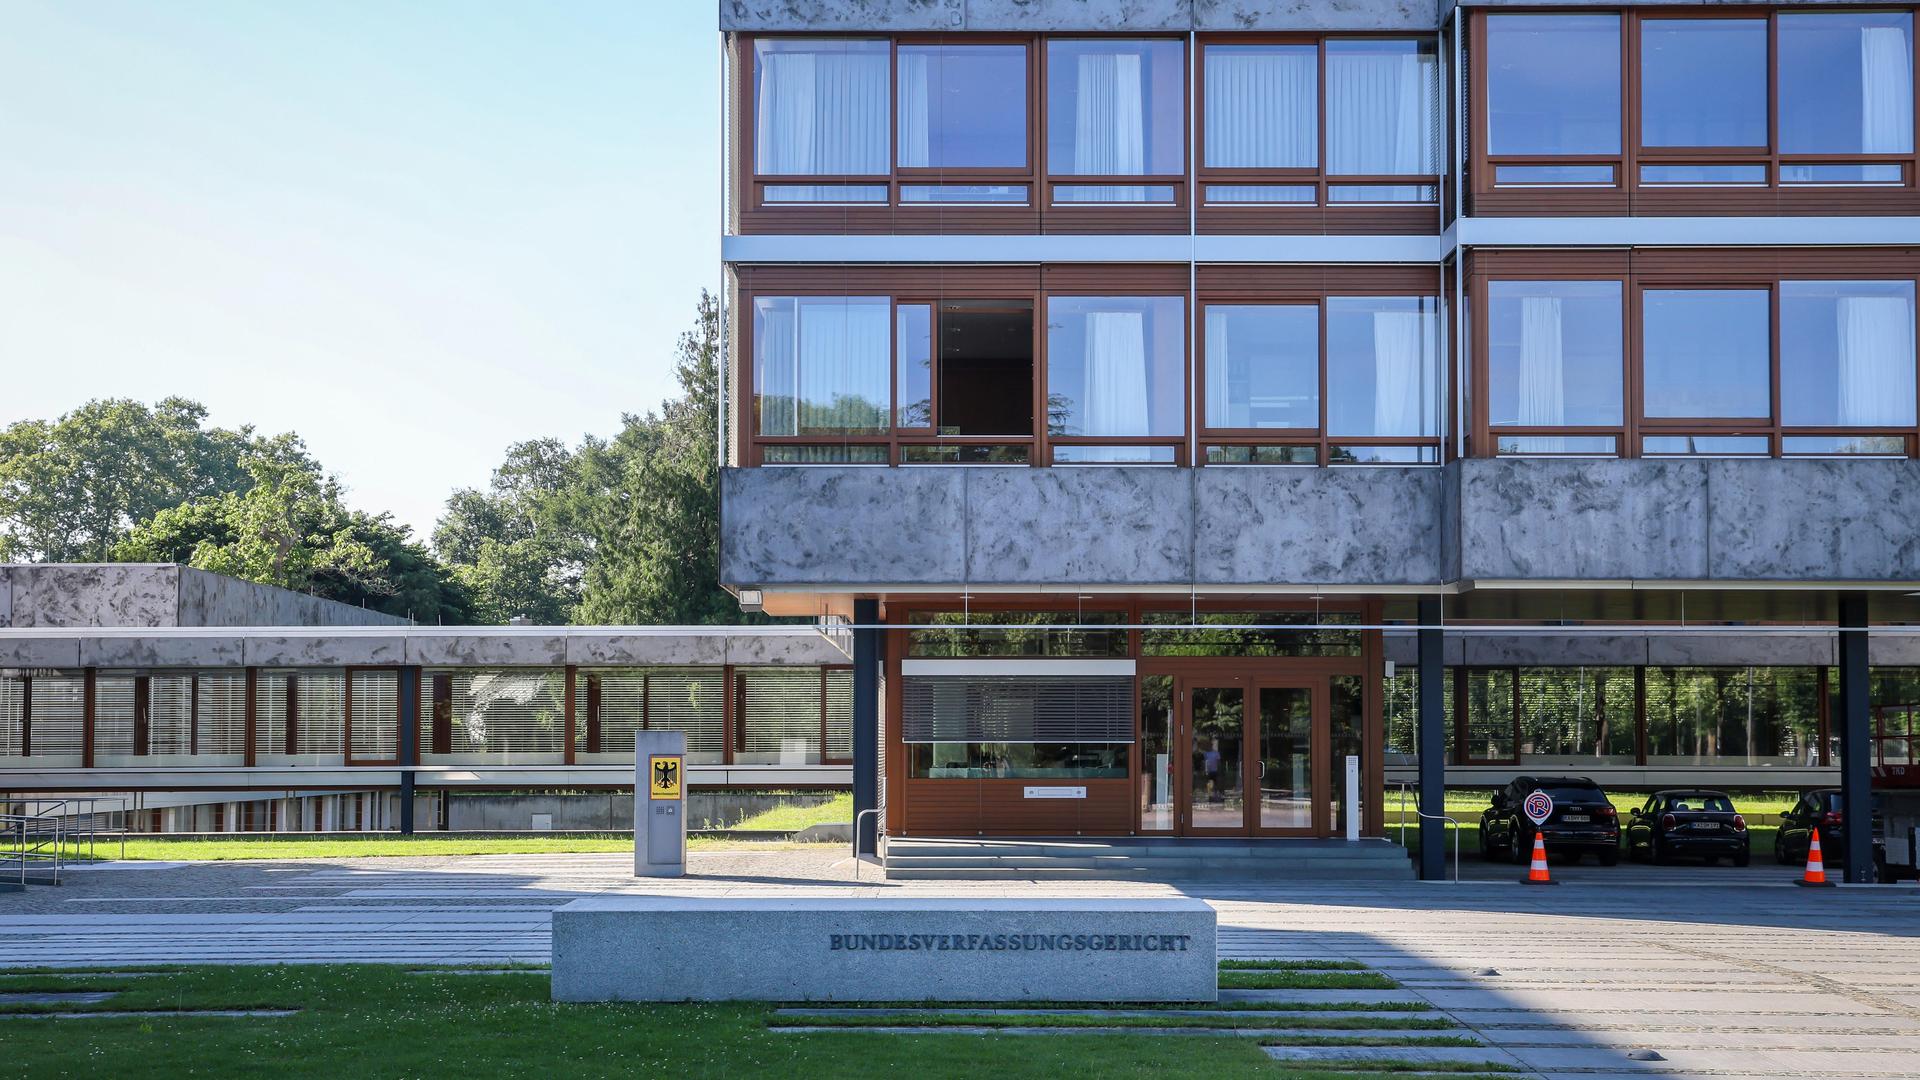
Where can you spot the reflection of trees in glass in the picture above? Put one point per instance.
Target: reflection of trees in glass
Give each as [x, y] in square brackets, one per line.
[1577, 712]
[506, 707]
[1052, 633]
[1231, 633]
[1732, 713]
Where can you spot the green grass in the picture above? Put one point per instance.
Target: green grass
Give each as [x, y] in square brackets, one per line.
[378, 1021]
[792, 817]
[1292, 965]
[1470, 802]
[1041, 1018]
[260, 846]
[1305, 980]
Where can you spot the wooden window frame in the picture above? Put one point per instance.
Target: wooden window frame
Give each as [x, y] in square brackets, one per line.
[1627, 194]
[1322, 215]
[1678, 269]
[1131, 290]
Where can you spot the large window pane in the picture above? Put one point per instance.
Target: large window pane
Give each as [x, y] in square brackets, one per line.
[1575, 715]
[1263, 366]
[1115, 107]
[1707, 353]
[1553, 84]
[1553, 353]
[914, 360]
[820, 107]
[963, 106]
[1846, 83]
[1490, 719]
[1703, 82]
[1846, 353]
[1733, 716]
[1116, 365]
[820, 364]
[1383, 371]
[1262, 106]
[1382, 113]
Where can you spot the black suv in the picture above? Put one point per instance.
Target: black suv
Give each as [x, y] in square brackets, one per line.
[1691, 822]
[1582, 821]
[1821, 809]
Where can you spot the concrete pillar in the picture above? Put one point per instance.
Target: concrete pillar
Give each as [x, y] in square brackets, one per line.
[867, 655]
[1431, 723]
[231, 817]
[410, 742]
[328, 813]
[1855, 717]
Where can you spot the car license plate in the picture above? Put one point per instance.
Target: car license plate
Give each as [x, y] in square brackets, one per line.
[1577, 819]
[1708, 825]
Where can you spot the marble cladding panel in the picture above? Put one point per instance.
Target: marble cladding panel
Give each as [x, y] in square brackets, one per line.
[161, 651]
[1739, 649]
[95, 594]
[209, 599]
[831, 524]
[1122, 15]
[1403, 648]
[1520, 650]
[1583, 520]
[1316, 14]
[1083, 525]
[615, 649]
[324, 650]
[6, 596]
[1814, 520]
[843, 14]
[478, 648]
[39, 652]
[783, 649]
[1368, 526]
[1892, 650]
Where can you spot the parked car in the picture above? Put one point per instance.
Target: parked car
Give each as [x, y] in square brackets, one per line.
[1821, 809]
[1692, 822]
[1582, 822]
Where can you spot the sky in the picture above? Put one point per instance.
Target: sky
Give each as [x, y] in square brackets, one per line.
[412, 231]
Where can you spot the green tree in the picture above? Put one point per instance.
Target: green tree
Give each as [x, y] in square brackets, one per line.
[513, 546]
[71, 488]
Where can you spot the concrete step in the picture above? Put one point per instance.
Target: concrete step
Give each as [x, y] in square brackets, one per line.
[1016, 872]
[1063, 859]
[1251, 866]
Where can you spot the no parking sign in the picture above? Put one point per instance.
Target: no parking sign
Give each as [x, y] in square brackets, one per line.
[1538, 807]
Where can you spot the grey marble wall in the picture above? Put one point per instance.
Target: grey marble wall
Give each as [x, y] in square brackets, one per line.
[159, 594]
[1583, 520]
[1108, 15]
[1255, 526]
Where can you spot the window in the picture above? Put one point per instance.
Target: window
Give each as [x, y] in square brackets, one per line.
[1116, 107]
[820, 364]
[1116, 366]
[1703, 82]
[1553, 85]
[1707, 353]
[1577, 715]
[1382, 112]
[1846, 353]
[1262, 366]
[1555, 356]
[1249, 633]
[963, 106]
[1032, 633]
[1028, 726]
[1383, 372]
[1846, 82]
[1262, 106]
[820, 107]
[1732, 716]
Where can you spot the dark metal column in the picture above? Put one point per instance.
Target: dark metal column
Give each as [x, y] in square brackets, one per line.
[866, 725]
[409, 743]
[1432, 725]
[1855, 718]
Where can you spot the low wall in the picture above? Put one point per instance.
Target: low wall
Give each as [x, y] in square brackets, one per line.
[658, 948]
[592, 813]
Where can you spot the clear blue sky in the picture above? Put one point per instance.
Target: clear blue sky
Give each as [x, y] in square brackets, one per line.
[413, 231]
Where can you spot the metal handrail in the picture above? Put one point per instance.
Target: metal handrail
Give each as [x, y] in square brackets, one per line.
[88, 820]
[1455, 830]
[879, 839]
[33, 839]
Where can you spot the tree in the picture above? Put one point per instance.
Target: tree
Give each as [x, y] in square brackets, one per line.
[290, 528]
[72, 488]
[512, 546]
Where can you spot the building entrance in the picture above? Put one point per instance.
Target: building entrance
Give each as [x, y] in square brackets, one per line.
[1241, 758]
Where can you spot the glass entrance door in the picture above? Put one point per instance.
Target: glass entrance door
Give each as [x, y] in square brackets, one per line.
[1216, 737]
[1288, 787]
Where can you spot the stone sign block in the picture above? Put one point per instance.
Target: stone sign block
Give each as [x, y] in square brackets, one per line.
[653, 948]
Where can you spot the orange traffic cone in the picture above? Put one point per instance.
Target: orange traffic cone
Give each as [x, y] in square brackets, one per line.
[1816, 873]
[1537, 870]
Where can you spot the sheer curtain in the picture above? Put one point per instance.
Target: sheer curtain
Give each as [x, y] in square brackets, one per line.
[1381, 113]
[822, 110]
[1886, 91]
[1400, 390]
[1109, 123]
[1115, 400]
[774, 358]
[1261, 108]
[916, 99]
[842, 355]
[1876, 361]
[1220, 412]
[1542, 378]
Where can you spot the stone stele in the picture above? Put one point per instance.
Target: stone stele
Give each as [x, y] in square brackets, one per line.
[654, 948]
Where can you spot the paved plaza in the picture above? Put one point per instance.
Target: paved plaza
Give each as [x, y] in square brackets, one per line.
[1730, 974]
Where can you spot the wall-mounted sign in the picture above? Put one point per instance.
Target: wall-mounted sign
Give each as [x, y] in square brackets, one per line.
[1056, 793]
[663, 777]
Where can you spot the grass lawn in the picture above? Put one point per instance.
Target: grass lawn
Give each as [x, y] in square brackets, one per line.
[266, 846]
[792, 817]
[378, 1021]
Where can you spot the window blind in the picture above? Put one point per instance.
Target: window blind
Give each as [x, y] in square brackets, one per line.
[1031, 709]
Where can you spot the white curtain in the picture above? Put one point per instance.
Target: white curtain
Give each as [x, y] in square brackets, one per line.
[1220, 413]
[822, 112]
[1399, 373]
[916, 101]
[842, 356]
[1261, 108]
[1115, 400]
[1109, 124]
[1381, 114]
[1886, 91]
[1542, 390]
[776, 380]
[1876, 361]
